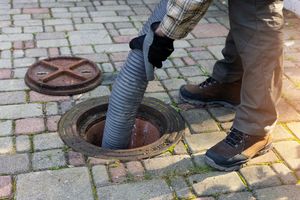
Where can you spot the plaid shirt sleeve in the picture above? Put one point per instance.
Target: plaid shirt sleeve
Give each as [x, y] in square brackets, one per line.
[182, 16]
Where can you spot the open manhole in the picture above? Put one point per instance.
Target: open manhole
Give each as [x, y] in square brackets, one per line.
[158, 127]
[63, 76]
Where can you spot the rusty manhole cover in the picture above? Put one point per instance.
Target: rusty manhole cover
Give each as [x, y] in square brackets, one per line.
[158, 127]
[63, 76]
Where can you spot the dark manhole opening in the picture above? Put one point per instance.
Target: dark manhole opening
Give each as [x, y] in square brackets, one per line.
[158, 127]
[63, 76]
[143, 133]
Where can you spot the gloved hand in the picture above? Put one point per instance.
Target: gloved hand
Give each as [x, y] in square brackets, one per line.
[160, 49]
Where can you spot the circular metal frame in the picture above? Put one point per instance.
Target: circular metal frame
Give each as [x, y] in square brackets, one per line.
[63, 76]
[75, 123]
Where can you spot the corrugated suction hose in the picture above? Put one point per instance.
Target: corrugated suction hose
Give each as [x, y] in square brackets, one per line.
[130, 86]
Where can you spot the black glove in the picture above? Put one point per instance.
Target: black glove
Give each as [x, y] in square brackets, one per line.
[160, 49]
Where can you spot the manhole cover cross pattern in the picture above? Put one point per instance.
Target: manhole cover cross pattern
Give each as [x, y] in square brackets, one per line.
[63, 76]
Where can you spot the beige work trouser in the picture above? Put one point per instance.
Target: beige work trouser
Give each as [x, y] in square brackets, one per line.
[254, 53]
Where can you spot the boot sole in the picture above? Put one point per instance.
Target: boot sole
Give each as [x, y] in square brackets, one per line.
[236, 166]
[207, 103]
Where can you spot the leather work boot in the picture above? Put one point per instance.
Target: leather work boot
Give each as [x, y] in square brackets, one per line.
[237, 149]
[211, 91]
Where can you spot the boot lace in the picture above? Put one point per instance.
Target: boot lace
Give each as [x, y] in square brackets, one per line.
[234, 138]
[208, 82]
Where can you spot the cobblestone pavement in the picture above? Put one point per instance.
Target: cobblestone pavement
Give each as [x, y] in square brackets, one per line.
[34, 162]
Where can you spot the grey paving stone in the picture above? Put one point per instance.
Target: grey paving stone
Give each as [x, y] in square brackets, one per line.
[16, 163]
[15, 37]
[100, 175]
[237, 196]
[96, 57]
[82, 49]
[12, 84]
[280, 133]
[47, 141]
[154, 189]
[89, 26]
[284, 173]
[20, 73]
[201, 55]
[269, 157]
[199, 120]
[52, 43]
[180, 149]
[163, 96]
[226, 126]
[5, 45]
[203, 141]
[89, 37]
[172, 72]
[181, 44]
[20, 111]
[65, 184]
[36, 52]
[5, 63]
[51, 108]
[23, 62]
[181, 188]
[6, 145]
[190, 71]
[289, 151]
[6, 128]
[179, 53]
[207, 65]
[216, 183]
[173, 84]
[290, 192]
[208, 41]
[48, 159]
[295, 128]
[161, 74]
[51, 22]
[164, 165]
[222, 114]
[216, 51]
[49, 36]
[97, 92]
[286, 112]
[155, 86]
[107, 67]
[199, 159]
[23, 143]
[260, 176]
[18, 53]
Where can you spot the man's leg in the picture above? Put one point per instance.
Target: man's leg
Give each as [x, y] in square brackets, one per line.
[256, 30]
[224, 84]
[230, 68]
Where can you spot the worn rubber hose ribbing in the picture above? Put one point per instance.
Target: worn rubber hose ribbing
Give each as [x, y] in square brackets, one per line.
[128, 92]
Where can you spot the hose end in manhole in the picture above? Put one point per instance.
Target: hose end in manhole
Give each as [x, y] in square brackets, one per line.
[158, 127]
[62, 76]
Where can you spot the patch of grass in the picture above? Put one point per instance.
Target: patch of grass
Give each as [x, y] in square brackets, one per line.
[66, 149]
[175, 106]
[130, 178]
[290, 58]
[57, 168]
[147, 176]
[200, 170]
[170, 175]
[115, 164]
[171, 149]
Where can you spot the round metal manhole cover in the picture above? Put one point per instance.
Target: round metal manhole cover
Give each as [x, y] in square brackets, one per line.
[63, 76]
[158, 127]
